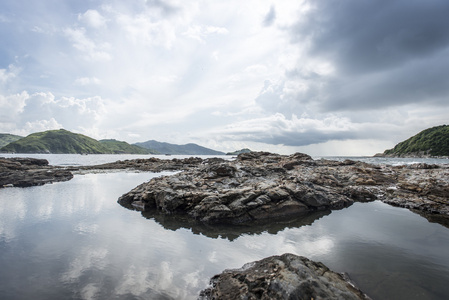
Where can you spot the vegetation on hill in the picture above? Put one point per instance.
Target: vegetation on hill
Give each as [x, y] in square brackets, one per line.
[188, 149]
[432, 141]
[63, 141]
[6, 138]
[119, 147]
[244, 150]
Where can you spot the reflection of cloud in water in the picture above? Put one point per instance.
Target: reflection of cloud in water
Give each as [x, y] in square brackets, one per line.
[134, 281]
[13, 208]
[85, 228]
[87, 258]
[90, 291]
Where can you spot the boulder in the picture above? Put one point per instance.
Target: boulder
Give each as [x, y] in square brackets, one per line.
[282, 277]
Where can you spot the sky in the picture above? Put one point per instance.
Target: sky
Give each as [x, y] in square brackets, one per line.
[323, 77]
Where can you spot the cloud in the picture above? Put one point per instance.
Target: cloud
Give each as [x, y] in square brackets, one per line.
[277, 129]
[382, 53]
[7, 75]
[43, 111]
[92, 18]
[11, 106]
[270, 17]
[92, 50]
[40, 125]
[87, 81]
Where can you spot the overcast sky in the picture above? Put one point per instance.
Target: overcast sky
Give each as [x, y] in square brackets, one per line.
[324, 77]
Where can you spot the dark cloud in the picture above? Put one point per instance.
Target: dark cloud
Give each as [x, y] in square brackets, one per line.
[363, 36]
[166, 8]
[384, 53]
[270, 17]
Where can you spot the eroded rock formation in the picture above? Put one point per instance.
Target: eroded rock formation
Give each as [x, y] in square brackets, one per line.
[261, 186]
[282, 277]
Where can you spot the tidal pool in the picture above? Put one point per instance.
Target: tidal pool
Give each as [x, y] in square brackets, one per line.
[71, 240]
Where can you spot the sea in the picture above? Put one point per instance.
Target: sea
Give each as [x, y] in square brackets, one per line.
[72, 240]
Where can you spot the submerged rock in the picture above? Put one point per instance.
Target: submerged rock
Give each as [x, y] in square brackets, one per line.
[282, 277]
[261, 186]
[25, 172]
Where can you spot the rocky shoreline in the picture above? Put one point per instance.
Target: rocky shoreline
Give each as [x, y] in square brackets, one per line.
[26, 172]
[257, 186]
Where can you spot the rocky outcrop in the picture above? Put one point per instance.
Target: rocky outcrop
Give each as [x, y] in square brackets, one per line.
[282, 277]
[25, 172]
[255, 187]
[261, 187]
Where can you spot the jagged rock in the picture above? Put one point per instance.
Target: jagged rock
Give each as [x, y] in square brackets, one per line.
[25, 172]
[252, 188]
[264, 186]
[282, 277]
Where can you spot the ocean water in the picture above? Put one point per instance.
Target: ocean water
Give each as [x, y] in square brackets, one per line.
[95, 159]
[71, 240]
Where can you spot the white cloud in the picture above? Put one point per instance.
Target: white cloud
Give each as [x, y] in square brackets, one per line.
[40, 125]
[87, 81]
[141, 29]
[11, 106]
[93, 50]
[7, 75]
[92, 18]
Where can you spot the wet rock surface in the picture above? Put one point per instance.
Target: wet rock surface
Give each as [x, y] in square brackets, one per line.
[282, 277]
[25, 172]
[261, 186]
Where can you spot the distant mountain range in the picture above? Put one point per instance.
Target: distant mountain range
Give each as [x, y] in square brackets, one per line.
[429, 142]
[173, 149]
[64, 141]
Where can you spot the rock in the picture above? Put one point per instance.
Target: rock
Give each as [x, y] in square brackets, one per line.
[281, 277]
[254, 187]
[152, 164]
[25, 172]
[265, 186]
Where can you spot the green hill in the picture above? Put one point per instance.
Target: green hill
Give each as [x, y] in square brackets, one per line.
[6, 138]
[63, 141]
[430, 142]
[119, 147]
[187, 149]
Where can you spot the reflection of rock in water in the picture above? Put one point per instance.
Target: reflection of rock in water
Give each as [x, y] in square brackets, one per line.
[282, 277]
[231, 232]
[433, 218]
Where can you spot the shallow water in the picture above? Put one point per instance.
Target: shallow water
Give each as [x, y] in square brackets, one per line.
[96, 159]
[71, 240]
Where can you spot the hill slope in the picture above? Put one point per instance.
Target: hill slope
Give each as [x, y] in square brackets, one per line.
[64, 142]
[430, 142]
[6, 138]
[188, 149]
[119, 147]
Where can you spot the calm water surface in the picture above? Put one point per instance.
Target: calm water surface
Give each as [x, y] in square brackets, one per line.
[72, 240]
